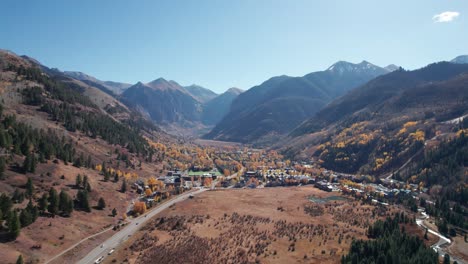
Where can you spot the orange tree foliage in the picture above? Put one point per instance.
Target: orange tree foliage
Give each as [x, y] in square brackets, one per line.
[155, 184]
[139, 208]
[148, 192]
[207, 181]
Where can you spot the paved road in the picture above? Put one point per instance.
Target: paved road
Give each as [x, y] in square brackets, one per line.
[443, 241]
[76, 244]
[131, 228]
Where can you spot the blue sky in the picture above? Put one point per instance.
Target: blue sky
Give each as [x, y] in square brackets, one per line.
[221, 44]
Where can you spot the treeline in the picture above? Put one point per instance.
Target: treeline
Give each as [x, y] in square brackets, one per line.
[448, 159]
[445, 166]
[15, 219]
[390, 245]
[94, 124]
[36, 144]
[56, 89]
[449, 214]
[75, 117]
[50, 204]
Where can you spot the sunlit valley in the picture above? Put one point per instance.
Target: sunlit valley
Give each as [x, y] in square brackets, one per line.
[352, 162]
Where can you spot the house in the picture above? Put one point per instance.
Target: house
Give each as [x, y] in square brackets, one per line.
[324, 186]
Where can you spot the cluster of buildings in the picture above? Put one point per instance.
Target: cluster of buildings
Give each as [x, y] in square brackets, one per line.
[275, 177]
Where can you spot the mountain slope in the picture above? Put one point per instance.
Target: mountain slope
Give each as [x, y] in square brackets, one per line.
[215, 109]
[463, 59]
[90, 87]
[281, 103]
[51, 135]
[202, 94]
[371, 96]
[106, 86]
[164, 101]
[377, 127]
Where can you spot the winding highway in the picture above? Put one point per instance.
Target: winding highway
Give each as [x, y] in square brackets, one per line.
[133, 225]
[441, 242]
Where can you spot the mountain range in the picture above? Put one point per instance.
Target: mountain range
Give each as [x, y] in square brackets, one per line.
[163, 101]
[106, 86]
[379, 125]
[281, 103]
[90, 141]
[280, 106]
[167, 103]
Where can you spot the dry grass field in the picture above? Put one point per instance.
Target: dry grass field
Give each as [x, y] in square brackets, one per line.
[271, 225]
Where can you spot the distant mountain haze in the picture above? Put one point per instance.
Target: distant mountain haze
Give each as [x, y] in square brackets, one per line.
[460, 59]
[202, 94]
[164, 101]
[115, 87]
[167, 102]
[215, 109]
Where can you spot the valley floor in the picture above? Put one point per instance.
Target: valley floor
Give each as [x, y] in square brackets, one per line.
[269, 225]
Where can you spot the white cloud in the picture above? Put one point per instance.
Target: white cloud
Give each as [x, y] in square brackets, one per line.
[447, 16]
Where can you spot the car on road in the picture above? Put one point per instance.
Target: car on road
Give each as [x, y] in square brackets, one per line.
[111, 251]
[99, 260]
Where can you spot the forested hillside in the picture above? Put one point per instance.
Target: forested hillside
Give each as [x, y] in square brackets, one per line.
[377, 127]
[278, 105]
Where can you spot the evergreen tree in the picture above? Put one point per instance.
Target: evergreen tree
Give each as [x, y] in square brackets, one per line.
[80, 161]
[114, 212]
[442, 226]
[53, 207]
[25, 218]
[29, 188]
[33, 210]
[77, 163]
[85, 181]
[390, 245]
[33, 163]
[43, 202]
[101, 203]
[5, 205]
[124, 186]
[29, 164]
[446, 259]
[89, 162]
[20, 260]
[65, 204]
[88, 187]
[78, 181]
[83, 200]
[14, 226]
[116, 177]
[103, 166]
[18, 197]
[2, 168]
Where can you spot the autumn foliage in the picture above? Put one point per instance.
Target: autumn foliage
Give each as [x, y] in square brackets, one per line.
[139, 208]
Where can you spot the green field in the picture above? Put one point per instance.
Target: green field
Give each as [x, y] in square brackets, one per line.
[199, 173]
